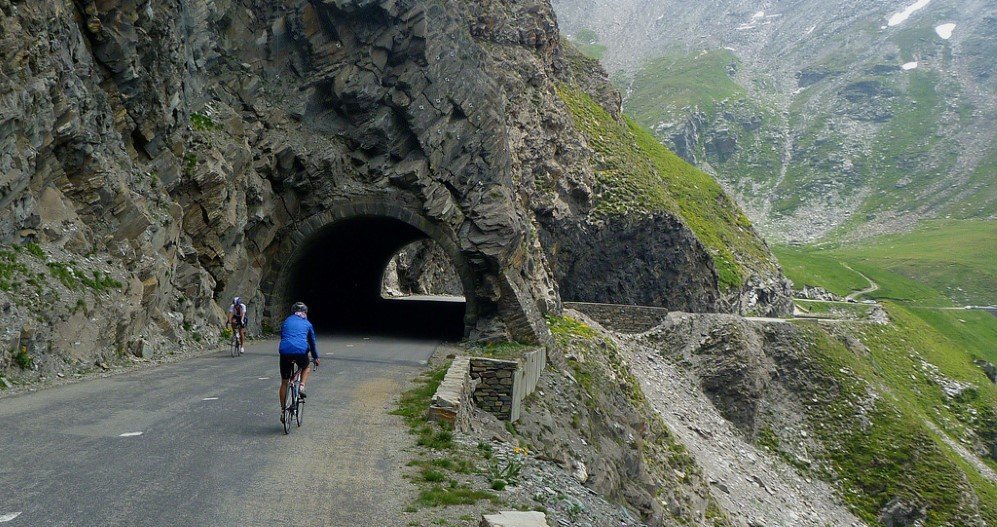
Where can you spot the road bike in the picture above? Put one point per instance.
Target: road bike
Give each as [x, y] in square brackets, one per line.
[295, 404]
[236, 345]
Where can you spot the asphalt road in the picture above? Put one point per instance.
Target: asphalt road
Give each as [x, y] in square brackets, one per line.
[211, 450]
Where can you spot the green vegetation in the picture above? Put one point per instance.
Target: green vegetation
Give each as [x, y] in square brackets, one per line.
[566, 328]
[666, 85]
[9, 268]
[202, 123]
[22, 358]
[938, 263]
[587, 41]
[440, 496]
[635, 173]
[955, 258]
[413, 405]
[35, 250]
[73, 277]
[930, 392]
[439, 489]
[879, 448]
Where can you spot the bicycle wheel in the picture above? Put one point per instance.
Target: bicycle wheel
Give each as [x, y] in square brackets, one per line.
[288, 415]
[235, 344]
[299, 410]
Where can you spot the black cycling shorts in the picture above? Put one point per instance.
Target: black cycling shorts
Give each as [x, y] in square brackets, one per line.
[287, 362]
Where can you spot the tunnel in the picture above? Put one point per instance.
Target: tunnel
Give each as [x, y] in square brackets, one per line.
[338, 272]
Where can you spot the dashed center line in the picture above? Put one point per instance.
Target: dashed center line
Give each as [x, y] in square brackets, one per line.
[9, 516]
[210, 399]
[130, 434]
[263, 378]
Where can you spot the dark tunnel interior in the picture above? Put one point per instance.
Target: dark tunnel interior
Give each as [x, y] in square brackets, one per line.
[339, 274]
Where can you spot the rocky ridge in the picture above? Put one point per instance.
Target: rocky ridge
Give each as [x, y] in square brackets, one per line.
[189, 147]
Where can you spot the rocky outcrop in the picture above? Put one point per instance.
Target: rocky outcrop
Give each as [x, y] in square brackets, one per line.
[198, 151]
[421, 268]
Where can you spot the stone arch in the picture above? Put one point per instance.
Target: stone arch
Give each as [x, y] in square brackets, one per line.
[296, 242]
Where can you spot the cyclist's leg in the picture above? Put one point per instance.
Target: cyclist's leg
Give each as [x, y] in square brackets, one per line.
[242, 338]
[285, 377]
[306, 368]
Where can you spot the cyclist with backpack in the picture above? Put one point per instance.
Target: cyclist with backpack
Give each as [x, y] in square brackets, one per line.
[297, 341]
[238, 318]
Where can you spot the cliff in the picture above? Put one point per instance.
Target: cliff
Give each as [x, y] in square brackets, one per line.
[158, 159]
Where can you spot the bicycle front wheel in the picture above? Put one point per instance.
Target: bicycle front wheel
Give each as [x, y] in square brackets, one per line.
[235, 345]
[300, 411]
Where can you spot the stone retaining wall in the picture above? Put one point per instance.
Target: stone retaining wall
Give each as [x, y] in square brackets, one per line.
[452, 401]
[504, 384]
[496, 385]
[621, 318]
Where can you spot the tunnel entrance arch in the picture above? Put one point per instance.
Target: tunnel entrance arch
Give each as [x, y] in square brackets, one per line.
[335, 262]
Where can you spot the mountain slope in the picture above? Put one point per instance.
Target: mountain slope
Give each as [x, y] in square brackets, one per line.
[826, 120]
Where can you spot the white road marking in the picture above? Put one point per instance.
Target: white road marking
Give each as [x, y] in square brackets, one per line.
[130, 434]
[8, 517]
[210, 399]
[263, 378]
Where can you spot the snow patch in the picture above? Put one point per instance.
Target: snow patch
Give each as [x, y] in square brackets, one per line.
[945, 30]
[910, 66]
[898, 18]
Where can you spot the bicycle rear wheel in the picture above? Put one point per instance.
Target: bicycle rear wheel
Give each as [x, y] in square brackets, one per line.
[287, 414]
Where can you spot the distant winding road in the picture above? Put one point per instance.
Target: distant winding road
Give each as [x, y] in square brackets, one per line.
[873, 286]
[199, 443]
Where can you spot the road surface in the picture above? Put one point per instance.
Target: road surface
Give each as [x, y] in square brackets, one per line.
[873, 286]
[199, 443]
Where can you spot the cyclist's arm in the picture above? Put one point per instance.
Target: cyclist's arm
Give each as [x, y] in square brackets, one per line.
[312, 347]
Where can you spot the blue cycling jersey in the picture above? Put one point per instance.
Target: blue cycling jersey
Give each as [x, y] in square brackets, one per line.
[297, 337]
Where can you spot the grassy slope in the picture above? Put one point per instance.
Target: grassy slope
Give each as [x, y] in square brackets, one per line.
[944, 255]
[927, 266]
[924, 346]
[667, 89]
[635, 173]
[886, 449]
[666, 85]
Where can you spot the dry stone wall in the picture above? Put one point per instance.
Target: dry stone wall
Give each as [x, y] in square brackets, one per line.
[621, 318]
[502, 385]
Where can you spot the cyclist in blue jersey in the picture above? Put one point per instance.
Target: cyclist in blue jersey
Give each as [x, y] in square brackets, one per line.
[297, 341]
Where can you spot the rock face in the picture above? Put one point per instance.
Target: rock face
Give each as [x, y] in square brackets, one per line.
[422, 268]
[209, 149]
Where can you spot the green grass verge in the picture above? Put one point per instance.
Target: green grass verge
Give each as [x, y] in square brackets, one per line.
[637, 174]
